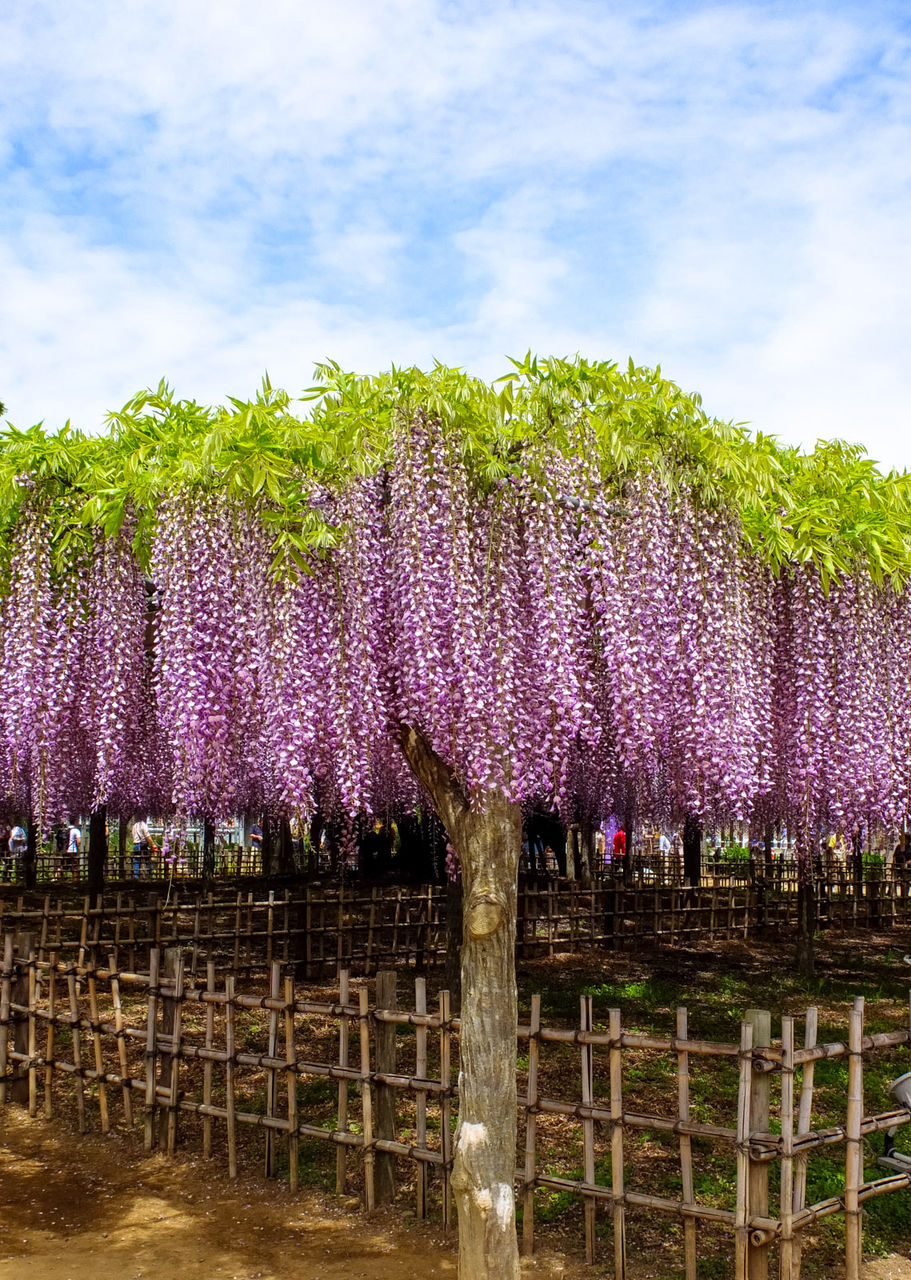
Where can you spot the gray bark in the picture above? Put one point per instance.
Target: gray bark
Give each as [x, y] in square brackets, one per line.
[488, 839]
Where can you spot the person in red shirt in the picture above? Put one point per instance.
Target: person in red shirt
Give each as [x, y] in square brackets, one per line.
[620, 844]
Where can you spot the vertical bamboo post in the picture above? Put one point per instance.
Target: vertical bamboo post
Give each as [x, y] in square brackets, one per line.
[341, 1155]
[151, 1048]
[446, 1105]
[173, 1081]
[616, 1144]
[786, 1267]
[742, 1209]
[18, 1091]
[531, 1129]
[686, 1146]
[77, 1047]
[173, 964]
[208, 1064]
[291, 1074]
[275, 980]
[6, 987]
[420, 1070]
[804, 1116]
[854, 1144]
[97, 1047]
[384, 1165]
[120, 1032]
[50, 1035]
[32, 1034]
[760, 1091]
[366, 1100]
[230, 1056]
[588, 1127]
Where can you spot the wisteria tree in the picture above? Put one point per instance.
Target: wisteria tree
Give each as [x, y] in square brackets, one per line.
[569, 589]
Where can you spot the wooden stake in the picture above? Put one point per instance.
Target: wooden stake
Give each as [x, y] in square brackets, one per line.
[272, 1050]
[854, 1142]
[96, 1044]
[742, 1209]
[120, 1032]
[531, 1128]
[786, 1269]
[341, 1155]
[230, 1055]
[420, 1070]
[616, 1143]
[686, 1148]
[208, 1064]
[760, 1090]
[366, 1100]
[77, 1047]
[291, 1074]
[588, 1127]
[151, 1063]
[384, 1165]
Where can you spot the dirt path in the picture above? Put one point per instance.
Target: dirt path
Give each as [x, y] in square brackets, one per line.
[92, 1208]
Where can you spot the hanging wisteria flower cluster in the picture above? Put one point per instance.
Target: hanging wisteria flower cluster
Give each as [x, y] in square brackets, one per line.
[585, 649]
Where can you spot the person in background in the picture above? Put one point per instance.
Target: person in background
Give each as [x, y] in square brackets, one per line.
[143, 844]
[73, 845]
[619, 845]
[17, 845]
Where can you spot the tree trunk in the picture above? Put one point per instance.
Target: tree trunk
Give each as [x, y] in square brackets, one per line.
[314, 841]
[285, 849]
[488, 839]
[268, 854]
[692, 850]
[208, 850]
[586, 852]
[30, 862]
[806, 927]
[98, 850]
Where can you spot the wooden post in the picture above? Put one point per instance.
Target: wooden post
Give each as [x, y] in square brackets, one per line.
[804, 1114]
[6, 987]
[528, 1215]
[120, 1031]
[786, 1268]
[616, 1143]
[230, 1064]
[741, 1212]
[151, 1047]
[168, 1017]
[420, 1070]
[854, 1165]
[18, 1090]
[384, 1166]
[686, 1147]
[275, 983]
[208, 1064]
[760, 1088]
[291, 1073]
[366, 1102]
[341, 1155]
[588, 1127]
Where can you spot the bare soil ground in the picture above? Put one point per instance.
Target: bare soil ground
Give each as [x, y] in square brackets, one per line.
[91, 1208]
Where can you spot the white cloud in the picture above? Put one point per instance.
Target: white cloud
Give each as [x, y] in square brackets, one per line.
[206, 191]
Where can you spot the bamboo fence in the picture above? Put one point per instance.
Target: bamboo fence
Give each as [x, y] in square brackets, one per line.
[197, 1059]
[322, 928]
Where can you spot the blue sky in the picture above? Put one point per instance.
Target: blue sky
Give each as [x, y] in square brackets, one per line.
[204, 191]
